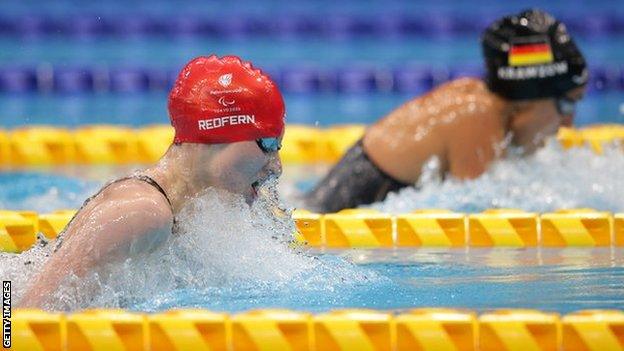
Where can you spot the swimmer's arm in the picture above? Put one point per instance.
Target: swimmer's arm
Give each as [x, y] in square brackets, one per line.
[399, 153]
[470, 164]
[109, 231]
[471, 155]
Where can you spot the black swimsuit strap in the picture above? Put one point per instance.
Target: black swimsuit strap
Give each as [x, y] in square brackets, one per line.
[140, 177]
[149, 180]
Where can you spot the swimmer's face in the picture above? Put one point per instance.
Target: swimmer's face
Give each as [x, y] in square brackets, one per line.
[242, 167]
[574, 95]
[539, 119]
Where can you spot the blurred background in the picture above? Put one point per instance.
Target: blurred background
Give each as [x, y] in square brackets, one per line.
[70, 62]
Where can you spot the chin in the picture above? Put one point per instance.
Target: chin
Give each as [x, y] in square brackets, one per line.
[250, 197]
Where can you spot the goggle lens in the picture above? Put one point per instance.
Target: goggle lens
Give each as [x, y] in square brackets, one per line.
[566, 106]
[269, 144]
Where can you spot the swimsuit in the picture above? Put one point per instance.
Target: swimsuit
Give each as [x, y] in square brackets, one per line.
[354, 181]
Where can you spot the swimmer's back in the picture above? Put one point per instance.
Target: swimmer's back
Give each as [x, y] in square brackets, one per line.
[456, 116]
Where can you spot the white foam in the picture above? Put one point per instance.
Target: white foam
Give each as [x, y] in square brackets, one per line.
[222, 243]
[20, 269]
[550, 179]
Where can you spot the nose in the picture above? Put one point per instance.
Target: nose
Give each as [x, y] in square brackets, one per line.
[275, 165]
[566, 121]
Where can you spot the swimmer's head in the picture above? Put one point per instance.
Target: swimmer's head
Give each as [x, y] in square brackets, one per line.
[531, 55]
[224, 100]
[228, 119]
[532, 121]
[532, 61]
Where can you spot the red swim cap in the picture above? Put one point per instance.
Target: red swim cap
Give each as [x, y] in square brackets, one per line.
[224, 100]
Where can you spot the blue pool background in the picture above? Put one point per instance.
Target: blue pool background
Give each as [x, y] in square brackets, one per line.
[51, 53]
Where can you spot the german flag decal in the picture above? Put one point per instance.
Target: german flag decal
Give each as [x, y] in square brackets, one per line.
[530, 54]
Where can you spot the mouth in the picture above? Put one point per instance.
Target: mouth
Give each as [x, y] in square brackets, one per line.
[255, 186]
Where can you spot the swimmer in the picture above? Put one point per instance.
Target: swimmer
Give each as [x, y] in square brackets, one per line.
[228, 119]
[535, 76]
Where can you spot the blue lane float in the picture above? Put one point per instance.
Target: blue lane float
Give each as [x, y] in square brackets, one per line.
[73, 80]
[129, 81]
[302, 78]
[333, 26]
[18, 80]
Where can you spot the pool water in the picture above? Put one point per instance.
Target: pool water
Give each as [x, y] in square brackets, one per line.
[552, 280]
[233, 263]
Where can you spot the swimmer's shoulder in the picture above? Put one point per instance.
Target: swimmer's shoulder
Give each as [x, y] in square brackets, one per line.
[136, 197]
[139, 194]
[123, 211]
[455, 102]
[455, 94]
[470, 110]
[471, 97]
[466, 86]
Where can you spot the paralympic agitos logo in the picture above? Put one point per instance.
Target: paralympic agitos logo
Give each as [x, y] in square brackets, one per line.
[225, 102]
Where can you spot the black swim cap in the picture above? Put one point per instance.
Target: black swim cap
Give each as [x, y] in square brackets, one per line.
[530, 56]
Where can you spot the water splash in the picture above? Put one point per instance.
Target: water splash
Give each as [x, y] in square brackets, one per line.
[20, 269]
[550, 179]
[222, 246]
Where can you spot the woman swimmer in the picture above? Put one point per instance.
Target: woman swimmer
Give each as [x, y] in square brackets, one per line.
[535, 76]
[228, 119]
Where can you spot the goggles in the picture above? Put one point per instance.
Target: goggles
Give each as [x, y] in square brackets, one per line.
[565, 105]
[268, 145]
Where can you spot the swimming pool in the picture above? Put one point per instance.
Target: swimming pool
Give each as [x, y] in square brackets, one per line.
[67, 66]
[241, 267]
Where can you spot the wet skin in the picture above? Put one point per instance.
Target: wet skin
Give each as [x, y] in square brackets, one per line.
[464, 125]
[131, 217]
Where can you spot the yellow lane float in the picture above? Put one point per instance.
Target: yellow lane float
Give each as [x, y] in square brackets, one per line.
[272, 330]
[39, 146]
[436, 329]
[106, 145]
[426, 329]
[515, 330]
[503, 227]
[368, 228]
[358, 228]
[576, 227]
[188, 329]
[18, 230]
[431, 228]
[106, 330]
[302, 144]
